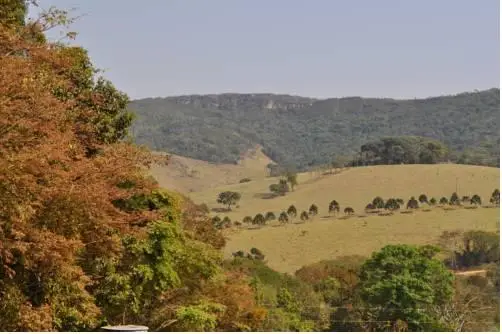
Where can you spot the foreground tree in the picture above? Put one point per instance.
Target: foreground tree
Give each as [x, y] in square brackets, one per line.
[229, 198]
[403, 283]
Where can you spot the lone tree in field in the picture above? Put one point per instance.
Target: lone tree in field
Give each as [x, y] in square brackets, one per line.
[412, 204]
[495, 198]
[443, 201]
[216, 221]
[292, 212]
[269, 216]
[423, 199]
[280, 189]
[248, 219]
[259, 220]
[392, 204]
[378, 202]
[400, 201]
[283, 218]
[334, 207]
[292, 179]
[304, 216]
[432, 201]
[313, 210]
[229, 198]
[454, 200]
[476, 200]
[348, 211]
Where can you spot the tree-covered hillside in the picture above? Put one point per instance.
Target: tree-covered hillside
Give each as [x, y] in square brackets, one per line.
[303, 132]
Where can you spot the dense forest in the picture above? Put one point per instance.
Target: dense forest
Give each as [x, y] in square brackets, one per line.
[302, 132]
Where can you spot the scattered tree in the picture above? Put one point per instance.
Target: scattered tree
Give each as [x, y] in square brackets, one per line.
[432, 201]
[259, 219]
[423, 199]
[454, 200]
[226, 221]
[412, 203]
[292, 212]
[466, 199]
[292, 179]
[495, 198]
[400, 201]
[369, 207]
[269, 216]
[476, 200]
[257, 254]
[313, 210]
[304, 216]
[229, 198]
[378, 202]
[281, 188]
[392, 204]
[283, 218]
[245, 180]
[247, 220]
[348, 211]
[334, 207]
[443, 201]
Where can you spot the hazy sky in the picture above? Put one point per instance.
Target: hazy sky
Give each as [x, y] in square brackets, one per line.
[318, 48]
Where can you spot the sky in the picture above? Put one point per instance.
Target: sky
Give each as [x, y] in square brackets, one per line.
[316, 48]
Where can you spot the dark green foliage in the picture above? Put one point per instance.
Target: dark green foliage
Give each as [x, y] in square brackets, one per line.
[401, 150]
[304, 216]
[259, 219]
[432, 201]
[269, 216]
[334, 207]
[303, 132]
[280, 188]
[423, 199]
[292, 179]
[400, 201]
[313, 210]
[476, 200]
[247, 219]
[495, 198]
[258, 254]
[229, 198]
[412, 203]
[466, 199]
[378, 202]
[454, 200]
[226, 221]
[348, 211]
[443, 201]
[479, 247]
[283, 217]
[403, 282]
[292, 211]
[392, 204]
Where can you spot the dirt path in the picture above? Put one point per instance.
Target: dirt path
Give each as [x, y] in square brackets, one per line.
[481, 272]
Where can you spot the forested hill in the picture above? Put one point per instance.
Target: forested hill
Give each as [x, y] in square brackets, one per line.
[303, 132]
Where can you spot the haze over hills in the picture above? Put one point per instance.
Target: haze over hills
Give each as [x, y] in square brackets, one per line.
[303, 132]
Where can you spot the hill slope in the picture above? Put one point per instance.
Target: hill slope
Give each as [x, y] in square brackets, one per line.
[187, 175]
[287, 248]
[304, 132]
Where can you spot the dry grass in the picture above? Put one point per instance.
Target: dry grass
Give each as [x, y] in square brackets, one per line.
[287, 248]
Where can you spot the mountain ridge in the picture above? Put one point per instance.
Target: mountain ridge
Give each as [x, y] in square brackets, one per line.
[303, 132]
